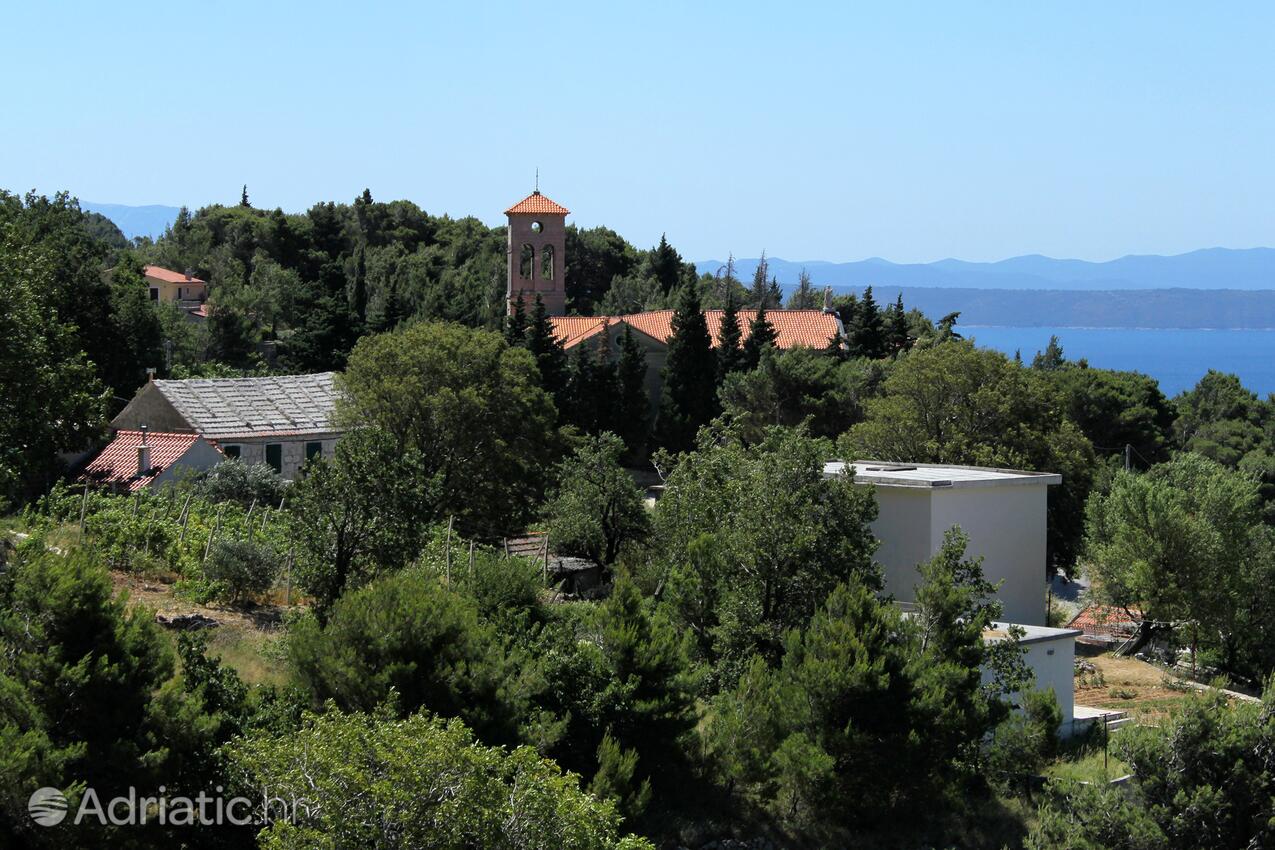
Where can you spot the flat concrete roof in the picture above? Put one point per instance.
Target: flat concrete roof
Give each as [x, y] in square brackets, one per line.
[933, 475]
[1031, 634]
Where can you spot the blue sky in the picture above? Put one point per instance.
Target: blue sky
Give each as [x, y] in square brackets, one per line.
[837, 131]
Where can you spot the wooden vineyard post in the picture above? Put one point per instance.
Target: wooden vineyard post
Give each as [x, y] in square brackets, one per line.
[448, 555]
[212, 535]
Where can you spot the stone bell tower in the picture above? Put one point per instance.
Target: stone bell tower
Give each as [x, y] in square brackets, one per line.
[537, 253]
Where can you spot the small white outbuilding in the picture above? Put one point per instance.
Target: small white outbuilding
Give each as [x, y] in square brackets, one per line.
[1051, 656]
[1002, 511]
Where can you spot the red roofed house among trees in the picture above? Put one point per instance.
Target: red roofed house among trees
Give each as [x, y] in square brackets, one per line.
[167, 285]
[135, 459]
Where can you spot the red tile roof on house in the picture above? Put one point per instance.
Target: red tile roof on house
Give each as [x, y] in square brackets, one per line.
[168, 275]
[117, 463]
[537, 204]
[1106, 620]
[794, 328]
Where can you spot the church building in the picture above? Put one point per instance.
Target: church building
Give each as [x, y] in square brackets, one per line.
[537, 267]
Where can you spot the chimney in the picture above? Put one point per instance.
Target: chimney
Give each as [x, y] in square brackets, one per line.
[143, 455]
[190, 273]
[150, 375]
[827, 299]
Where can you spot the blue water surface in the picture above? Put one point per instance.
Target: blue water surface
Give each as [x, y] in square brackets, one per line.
[1176, 358]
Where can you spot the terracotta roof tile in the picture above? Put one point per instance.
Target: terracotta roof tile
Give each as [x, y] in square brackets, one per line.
[117, 463]
[168, 275]
[537, 204]
[795, 328]
[1105, 620]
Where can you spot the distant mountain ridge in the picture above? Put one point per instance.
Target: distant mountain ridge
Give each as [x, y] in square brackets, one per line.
[1209, 268]
[151, 220]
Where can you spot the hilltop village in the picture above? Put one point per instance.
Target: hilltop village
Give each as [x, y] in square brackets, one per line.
[525, 536]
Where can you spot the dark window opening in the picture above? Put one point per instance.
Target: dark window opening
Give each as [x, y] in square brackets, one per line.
[313, 450]
[231, 451]
[274, 456]
[154, 294]
[546, 262]
[526, 261]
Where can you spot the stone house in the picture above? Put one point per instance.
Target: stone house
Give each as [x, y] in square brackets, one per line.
[282, 421]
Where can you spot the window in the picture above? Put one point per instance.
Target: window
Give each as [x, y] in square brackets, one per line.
[313, 450]
[546, 262]
[274, 456]
[231, 451]
[154, 294]
[536, 227]
[526, 260]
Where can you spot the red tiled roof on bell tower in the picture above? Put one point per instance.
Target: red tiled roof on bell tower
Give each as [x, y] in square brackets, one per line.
[537, 204]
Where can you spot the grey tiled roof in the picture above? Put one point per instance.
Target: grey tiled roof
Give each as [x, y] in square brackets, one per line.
[254, 407]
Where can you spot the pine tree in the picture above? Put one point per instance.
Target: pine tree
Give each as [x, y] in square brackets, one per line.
[243, 198]
[550, 356]
[632, 410]
[689, 400]
[867, 339]
[774, 294]
[665, 265]
[762, 335]
[1051, 359]
[897, 326]
[516, 324]
[803, 297]
[730, 354]
[760, 291]
[358, 290]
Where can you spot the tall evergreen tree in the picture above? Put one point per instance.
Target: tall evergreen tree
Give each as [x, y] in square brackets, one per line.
[516, 324]
[550, 356]
[689, 400]
[761, 336]
[774, 293]
[581, 390]
[896, 326]
[243, 198]
[867, 339]
[730, 354]
[803, 297]
[632, 408]
[760, 291]
[666, 265]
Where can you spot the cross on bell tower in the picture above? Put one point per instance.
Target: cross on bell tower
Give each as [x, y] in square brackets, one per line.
[537, 252]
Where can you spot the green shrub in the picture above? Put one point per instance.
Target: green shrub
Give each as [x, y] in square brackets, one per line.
[244, 567]
[233, 481]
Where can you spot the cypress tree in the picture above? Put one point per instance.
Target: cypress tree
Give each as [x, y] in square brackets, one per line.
[516, 325]
[761, 336]
[868, 337]
[730, 354]
[581, 391]
[774, 294]
[760, 290]
[550, 356]
[897, 326]
[666, 265]
[633, 408]
[606, 387]
[689, 399]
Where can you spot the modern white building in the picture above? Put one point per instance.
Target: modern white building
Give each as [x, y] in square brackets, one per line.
[1002, 511]
[1051, 656]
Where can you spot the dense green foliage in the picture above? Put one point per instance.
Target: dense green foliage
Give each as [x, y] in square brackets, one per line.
[429, 783]
[595, 507]
[954, 403]
[1206, 781]
[471, 408]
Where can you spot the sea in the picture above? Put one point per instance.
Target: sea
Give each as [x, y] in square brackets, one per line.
[1175, 358]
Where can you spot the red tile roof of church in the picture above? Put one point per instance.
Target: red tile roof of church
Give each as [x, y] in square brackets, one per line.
[537, 204]
[794, 328]
[117, 463]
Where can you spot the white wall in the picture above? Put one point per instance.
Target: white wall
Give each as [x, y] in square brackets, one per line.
[903, 527]
[1052, 661]
[1005, 525]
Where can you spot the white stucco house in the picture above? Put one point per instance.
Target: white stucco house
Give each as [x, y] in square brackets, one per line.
[1002, 511]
